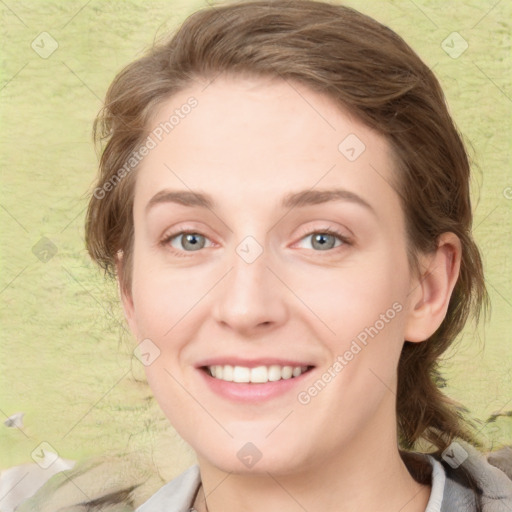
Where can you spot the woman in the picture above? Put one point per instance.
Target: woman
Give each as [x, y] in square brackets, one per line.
[284, 200]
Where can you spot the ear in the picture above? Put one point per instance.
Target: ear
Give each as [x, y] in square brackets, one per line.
[431, 291]
[125, 295]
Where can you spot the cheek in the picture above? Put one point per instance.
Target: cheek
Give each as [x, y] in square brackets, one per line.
[161, 296]
[364, 307]
[353, 297]
[168, 389]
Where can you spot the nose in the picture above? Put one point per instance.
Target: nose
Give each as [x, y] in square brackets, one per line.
[250, 299]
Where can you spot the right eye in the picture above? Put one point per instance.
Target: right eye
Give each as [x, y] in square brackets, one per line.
[185, 241]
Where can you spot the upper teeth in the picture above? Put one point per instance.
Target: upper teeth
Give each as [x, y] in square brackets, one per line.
[259, 374]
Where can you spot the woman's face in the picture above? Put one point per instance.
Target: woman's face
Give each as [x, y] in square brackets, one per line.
[296, 266]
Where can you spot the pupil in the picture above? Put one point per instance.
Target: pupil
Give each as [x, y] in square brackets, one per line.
[191, 241]
[320, 241]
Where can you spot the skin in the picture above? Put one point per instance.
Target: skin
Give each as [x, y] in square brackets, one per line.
[249, 143]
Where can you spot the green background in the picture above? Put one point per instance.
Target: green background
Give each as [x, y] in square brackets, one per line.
[66, 359]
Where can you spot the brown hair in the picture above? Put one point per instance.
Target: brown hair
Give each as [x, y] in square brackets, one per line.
[364, 67]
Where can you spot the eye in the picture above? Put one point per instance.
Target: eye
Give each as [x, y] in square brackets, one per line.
[188, 241]
[183, 242]
[325, 239]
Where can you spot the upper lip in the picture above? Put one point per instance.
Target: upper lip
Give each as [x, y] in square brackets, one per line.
[251, 363]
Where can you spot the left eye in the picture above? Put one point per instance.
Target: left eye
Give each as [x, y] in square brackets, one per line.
[324, 240]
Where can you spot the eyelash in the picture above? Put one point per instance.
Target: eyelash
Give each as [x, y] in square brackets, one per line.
[324, 231]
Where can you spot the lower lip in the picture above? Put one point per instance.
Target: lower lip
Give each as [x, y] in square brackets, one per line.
[250, 392]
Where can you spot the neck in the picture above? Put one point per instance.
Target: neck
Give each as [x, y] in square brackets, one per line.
[368, 474]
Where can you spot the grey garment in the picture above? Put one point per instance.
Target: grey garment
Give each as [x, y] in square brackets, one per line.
[490, 490]
[492, 487]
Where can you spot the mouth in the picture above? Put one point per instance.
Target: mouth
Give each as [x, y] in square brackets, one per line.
[253, 381]
[255, 375]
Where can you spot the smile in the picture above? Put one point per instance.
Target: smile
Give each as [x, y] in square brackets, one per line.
[256, 375]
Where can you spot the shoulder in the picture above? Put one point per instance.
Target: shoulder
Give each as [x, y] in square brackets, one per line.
[175, 496]
[476, 481]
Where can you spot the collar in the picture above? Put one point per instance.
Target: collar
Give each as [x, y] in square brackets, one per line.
[453, 488]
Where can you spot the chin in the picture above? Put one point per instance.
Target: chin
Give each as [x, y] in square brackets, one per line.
[256, 458]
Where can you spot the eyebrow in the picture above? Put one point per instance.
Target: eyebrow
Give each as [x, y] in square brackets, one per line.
[292, 200]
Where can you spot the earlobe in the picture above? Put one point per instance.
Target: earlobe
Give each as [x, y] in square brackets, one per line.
[430, 293]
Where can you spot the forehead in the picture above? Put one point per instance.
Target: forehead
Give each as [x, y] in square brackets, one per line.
[250, 141]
